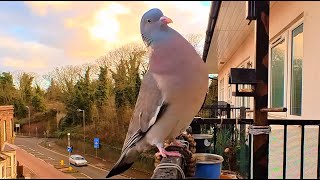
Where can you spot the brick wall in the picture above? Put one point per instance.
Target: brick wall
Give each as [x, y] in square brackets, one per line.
[6, 118]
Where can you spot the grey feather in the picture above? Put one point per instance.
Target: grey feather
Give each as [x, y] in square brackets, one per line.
[148, 105]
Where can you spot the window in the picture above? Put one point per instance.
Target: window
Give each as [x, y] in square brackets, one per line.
[242, 86]
[278, 55]
[242, 100]
[229, 92]
[248, 86]
[285, 71]
[4, 131]
[222, 89]
[296, 70]
[11, 128]
[3, 172]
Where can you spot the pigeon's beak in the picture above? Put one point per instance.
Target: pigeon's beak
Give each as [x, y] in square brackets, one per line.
[165, 20]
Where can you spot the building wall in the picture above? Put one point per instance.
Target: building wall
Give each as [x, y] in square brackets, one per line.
[3, 167]
[282, 15]
[12, 164]
[6, 122]
[244, 54]
[6, 115]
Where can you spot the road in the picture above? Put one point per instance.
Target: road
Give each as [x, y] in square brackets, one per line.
[86, 172]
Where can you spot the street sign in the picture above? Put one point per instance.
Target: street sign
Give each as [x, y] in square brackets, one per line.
[96, 143]
[69, 149]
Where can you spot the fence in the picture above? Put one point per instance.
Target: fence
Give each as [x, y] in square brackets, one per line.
[237, 147]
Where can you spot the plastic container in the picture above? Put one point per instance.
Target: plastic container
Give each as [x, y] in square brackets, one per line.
[203, 142]
[208, 166]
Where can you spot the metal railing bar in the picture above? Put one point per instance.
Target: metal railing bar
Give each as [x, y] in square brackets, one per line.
[302, 152]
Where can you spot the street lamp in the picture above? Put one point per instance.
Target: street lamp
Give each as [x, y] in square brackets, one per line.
[84, 130]
[69, 146]
[57, 121]
[29, 118]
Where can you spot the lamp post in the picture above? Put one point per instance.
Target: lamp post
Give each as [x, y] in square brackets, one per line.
[29, 118]
[55, 109]
[84, 130]
[69, 146]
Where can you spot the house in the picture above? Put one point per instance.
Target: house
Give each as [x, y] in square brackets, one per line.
[293, 60]
[281, 44]
[8, 162]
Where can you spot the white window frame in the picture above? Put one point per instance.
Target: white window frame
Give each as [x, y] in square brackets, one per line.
[221, 89]
[240, 100]
[294, 26]
[229, 89]
[4, 131]
[287, 36]
[283, 36]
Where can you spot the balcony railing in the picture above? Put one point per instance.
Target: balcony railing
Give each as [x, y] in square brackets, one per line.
[233, 133]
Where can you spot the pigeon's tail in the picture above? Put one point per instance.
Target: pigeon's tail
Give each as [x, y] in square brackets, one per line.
[125, 161]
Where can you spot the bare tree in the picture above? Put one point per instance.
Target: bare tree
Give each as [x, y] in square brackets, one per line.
[65, 76]
[195, 40]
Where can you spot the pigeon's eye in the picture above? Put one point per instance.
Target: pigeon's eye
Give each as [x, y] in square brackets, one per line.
[148, 20]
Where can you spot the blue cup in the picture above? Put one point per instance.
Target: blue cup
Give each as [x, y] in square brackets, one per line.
[208, 166]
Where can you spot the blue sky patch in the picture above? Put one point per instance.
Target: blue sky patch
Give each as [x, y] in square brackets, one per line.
[206, 3]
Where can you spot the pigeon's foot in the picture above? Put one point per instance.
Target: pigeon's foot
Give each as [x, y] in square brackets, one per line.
[165, 153]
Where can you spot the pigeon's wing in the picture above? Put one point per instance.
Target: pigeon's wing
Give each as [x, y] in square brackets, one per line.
[149, 107]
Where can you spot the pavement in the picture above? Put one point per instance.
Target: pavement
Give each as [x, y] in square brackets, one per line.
[38, 169]
[43, 163]
[100, 163]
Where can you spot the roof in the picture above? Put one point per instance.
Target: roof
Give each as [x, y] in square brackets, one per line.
[6, 108]
[3, 157]
[8, 147]
[213, 15]
[227, 30]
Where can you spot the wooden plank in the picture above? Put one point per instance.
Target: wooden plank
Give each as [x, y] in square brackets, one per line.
[261, 142]
[273, 110]
[234, 26]
[230, 26]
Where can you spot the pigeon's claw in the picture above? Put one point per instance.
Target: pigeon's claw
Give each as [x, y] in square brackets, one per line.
[165, 153]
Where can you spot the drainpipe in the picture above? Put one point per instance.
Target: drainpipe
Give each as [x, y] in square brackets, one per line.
[213, 15]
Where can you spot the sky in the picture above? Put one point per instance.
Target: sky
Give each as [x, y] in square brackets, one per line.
[36, 36]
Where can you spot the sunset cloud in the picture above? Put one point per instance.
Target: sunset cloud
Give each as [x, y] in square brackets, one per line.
[48, 34]
[42, 8]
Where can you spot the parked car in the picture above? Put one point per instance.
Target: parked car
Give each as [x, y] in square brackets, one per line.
[78, 160]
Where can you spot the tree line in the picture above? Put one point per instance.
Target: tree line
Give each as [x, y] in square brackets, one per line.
[106, 90]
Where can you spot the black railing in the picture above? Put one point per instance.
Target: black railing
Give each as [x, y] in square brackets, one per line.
[224, 137]
[214, 121]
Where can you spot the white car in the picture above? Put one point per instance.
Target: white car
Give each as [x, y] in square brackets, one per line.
[78, 160]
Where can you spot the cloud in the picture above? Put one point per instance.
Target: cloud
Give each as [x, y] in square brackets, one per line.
[54, 33]
[42, 8]
[23, 63]
[97, 32]
[28, 55]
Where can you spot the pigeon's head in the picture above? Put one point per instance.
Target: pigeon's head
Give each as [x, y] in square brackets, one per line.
[153, 24]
